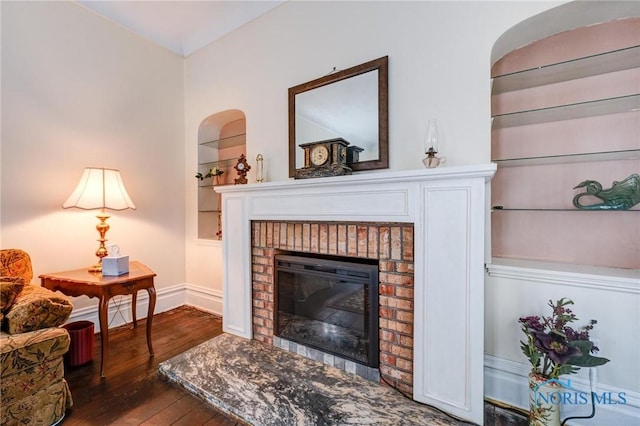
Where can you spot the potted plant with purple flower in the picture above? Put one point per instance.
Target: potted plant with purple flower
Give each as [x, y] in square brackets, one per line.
[554, 348]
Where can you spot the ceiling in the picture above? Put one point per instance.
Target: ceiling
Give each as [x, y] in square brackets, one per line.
[182, 26]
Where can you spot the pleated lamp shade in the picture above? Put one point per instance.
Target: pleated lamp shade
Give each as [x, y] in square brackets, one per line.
[100, 188]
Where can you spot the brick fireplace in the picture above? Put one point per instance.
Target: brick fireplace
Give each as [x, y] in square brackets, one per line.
[431, 291]
[389, 243]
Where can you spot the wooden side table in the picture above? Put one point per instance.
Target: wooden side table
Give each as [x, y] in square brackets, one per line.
[81, 282]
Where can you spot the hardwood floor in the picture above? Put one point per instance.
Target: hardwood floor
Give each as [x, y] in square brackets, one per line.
[132, 392]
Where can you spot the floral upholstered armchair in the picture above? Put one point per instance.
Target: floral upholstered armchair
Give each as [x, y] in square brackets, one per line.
[32, 385]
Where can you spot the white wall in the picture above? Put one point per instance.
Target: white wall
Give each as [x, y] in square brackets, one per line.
[439, 64]
[439, 59]
[77, 91]
[613, 302]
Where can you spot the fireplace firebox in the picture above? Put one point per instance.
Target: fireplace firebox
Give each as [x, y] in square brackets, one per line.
[329, 304]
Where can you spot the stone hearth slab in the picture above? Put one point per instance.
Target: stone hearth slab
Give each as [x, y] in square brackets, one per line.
[265, 385]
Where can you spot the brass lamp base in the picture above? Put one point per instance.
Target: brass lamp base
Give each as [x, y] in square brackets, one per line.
[102, 228]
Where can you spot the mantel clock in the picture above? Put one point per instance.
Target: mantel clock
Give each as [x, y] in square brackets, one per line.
[324, 158]
[242, 168]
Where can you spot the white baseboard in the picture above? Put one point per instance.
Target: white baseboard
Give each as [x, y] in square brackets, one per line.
[507, 381]
[208, 300]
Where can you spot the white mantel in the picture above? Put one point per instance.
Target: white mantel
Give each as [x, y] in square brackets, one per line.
[447, 206]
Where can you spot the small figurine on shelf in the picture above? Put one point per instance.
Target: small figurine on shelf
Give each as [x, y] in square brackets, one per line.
[242, 167]
[215, 173]
[621, 196]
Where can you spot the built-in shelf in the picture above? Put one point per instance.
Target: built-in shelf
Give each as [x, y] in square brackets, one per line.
[211, 186]
[594, 108]
[568, 102]
[589, 66]
[224, 163]
[629, 154]
[499, 208]
[228, 128]
[207, 185]
[228, 142]
[601, 275]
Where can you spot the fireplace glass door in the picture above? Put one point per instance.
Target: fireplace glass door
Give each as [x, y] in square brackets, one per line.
[330, 305]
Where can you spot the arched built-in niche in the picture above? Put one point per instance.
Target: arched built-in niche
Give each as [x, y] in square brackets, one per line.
[221, 141]
[561, 81]
[566, 110]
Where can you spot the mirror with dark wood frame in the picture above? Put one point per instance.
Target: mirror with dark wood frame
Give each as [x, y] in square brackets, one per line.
[351, 104]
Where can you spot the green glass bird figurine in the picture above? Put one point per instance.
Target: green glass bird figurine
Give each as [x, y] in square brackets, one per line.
[621, 196]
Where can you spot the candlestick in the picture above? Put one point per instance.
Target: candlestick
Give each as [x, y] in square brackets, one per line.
[259, 168]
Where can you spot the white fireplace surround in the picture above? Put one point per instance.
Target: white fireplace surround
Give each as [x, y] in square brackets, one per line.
[447, 207]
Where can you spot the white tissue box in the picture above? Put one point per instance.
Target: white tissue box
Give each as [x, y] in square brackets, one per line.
[116, 265]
